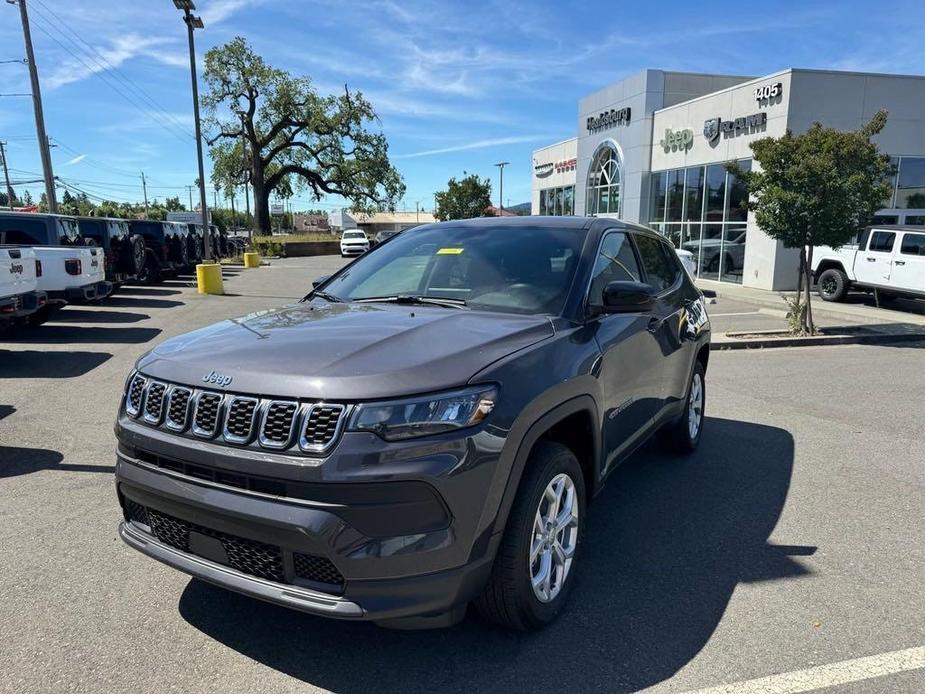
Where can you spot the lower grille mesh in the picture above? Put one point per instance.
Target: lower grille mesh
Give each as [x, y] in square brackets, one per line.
[317, 569]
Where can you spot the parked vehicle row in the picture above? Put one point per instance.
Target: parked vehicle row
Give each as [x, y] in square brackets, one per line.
[48, 261]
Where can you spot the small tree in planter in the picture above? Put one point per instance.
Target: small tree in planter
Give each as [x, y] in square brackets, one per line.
[816, 189]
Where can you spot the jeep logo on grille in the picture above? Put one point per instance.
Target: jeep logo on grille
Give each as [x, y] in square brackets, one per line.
[217, 378]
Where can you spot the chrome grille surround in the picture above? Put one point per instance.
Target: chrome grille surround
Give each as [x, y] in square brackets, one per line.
[240, 413]
[207, 407]
[135, 396]
[321, 426]
[240, 420]
[153, 409]
[178, 407]
[275, 432]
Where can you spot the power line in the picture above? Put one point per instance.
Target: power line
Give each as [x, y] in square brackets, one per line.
[102, 74]
[115, 70]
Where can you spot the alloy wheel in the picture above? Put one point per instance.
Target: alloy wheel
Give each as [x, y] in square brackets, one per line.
[554, 539]
[695, 406]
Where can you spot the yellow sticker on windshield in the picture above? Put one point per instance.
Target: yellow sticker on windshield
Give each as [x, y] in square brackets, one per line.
[449, 251]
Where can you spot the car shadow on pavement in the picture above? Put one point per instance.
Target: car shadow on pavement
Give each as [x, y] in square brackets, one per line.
[71, 334]
[24, 461]
[666, 543]
[49, 364]
[144, 291]
[140, 302]
[76, 315]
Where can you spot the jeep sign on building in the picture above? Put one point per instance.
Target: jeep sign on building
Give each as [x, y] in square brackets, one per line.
[651, 149]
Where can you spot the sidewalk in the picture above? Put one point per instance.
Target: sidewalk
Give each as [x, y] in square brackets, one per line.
[747, 318]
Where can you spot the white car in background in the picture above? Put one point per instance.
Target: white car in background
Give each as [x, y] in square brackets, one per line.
[353, 242]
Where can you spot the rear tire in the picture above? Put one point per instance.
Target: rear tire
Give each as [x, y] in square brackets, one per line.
[151, 272]
[832, 285]
[683, 435]
[132, 255]
[527, 553]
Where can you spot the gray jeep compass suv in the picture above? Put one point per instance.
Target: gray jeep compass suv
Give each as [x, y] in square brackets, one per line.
[425, 429]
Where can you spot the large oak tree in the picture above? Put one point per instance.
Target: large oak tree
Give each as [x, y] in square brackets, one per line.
[273, 129]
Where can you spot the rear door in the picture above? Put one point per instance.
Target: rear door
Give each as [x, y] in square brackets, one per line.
[873, 265]
[909, 263]
[664, 272]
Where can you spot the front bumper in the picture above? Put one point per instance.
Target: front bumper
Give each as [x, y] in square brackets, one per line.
[353, 250]
[396, 554]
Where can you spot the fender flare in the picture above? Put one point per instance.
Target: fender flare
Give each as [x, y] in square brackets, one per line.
[579, 403]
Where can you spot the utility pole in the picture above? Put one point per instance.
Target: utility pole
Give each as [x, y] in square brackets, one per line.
[417, 212]
[247, 177]
[144, 187]
[6, 176]
[232, 213]
[501, 165]
[190, 191]
[37, 106]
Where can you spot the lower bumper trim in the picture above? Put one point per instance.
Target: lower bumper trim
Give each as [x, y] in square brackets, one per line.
[294, 597]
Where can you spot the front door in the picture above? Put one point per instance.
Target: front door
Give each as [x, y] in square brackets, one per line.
[909, 263]
[631, 358]
[874, 265]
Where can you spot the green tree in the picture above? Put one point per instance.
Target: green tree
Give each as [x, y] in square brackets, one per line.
[816, 189]
[27, 199]
[292, 135]
[464, 199]
[174, 205]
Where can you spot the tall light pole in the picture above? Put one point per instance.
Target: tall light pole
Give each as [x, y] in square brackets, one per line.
[44, 151]
[6, 176]
[193, 22]
[501, 165]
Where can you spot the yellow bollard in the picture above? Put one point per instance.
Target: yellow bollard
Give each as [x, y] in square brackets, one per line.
[209, 278]
[251, 259]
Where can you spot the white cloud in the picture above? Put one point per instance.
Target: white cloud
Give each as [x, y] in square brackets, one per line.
[477, 144]
[75, 160]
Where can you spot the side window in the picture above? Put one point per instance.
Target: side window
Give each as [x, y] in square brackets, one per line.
[22, 231]
[616, 262]
[882, 241]
[913, 244]
[661, 270]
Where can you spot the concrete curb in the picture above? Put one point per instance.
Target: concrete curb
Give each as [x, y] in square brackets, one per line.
[818, 340]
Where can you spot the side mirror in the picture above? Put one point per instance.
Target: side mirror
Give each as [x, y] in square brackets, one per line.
[628, 297]
[319, 281]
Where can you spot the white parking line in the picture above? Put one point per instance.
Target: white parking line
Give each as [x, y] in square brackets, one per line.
[830, 675]
[740, 313]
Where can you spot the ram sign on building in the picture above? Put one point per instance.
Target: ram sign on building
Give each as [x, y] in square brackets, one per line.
[651, 149]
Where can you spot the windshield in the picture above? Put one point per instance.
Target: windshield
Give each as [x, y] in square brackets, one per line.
[354, 235]
[68, 231]
[519, 269]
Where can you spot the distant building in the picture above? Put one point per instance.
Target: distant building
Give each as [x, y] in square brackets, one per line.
[308, 223]
[372, 224]
[492, 211]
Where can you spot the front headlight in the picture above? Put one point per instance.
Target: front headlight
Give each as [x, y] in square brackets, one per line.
[422, 416]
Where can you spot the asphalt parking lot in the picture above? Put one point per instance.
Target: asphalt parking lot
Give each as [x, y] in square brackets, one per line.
[793, 539]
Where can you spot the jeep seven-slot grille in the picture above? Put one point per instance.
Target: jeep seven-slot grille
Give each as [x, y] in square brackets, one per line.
[240, 420]
[207, 412]
[277, 423]
[178, 408]
[322, 425]
[154, 403]
[135, 395]
[247, 556]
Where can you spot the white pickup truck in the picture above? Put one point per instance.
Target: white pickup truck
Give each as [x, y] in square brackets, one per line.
[888, 259]
[19, 296]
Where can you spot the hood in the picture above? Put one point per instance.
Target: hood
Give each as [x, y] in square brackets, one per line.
[344, 351]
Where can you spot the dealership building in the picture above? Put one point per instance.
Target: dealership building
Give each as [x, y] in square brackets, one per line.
[652, 148]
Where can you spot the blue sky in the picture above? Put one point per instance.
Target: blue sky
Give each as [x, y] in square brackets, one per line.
[458, 85]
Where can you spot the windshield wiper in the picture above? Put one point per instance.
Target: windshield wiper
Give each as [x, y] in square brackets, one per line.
[327, 297]
[414, 299]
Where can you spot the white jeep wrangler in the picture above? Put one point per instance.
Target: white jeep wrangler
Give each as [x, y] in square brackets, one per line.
[19, 297]
[887, 259]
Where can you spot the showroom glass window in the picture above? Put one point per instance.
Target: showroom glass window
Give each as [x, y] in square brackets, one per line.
[604, 178]
[910, 187]
[699, 209]
[557, 201]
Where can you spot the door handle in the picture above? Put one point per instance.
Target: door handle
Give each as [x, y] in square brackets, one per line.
[871, 260]
[899, 262]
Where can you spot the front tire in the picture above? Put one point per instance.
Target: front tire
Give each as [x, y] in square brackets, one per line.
[534, 571]
[832, 285]
[683, 435]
